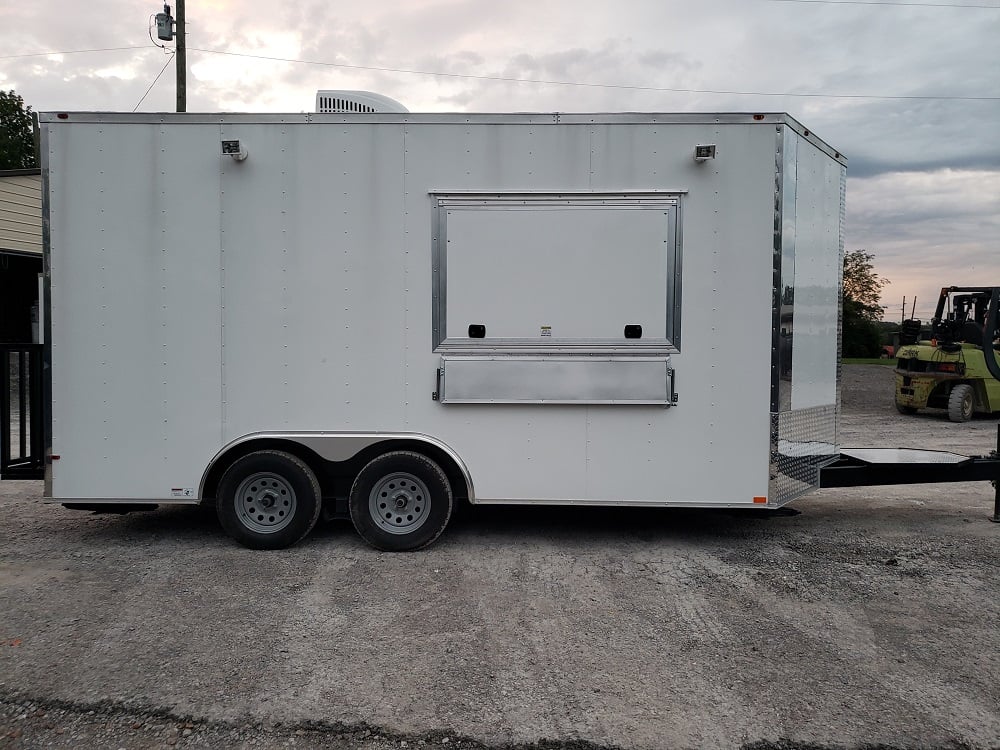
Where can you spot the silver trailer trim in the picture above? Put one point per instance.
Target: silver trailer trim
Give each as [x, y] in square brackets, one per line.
[556, 380]
[802, 440]
[622, 503]
[120, 501]
[46, 308]
[445, 203]
[338, 446]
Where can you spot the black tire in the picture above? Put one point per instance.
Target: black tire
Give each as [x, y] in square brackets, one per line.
[960, 403]
[401, 501]
[268, 500]
[903, 409]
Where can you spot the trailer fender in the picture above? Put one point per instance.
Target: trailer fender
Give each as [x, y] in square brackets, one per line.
[338, 447]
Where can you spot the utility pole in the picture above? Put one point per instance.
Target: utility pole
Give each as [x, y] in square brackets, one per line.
[167, 29]
[181, 61]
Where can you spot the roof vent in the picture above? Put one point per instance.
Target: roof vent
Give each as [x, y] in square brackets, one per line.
[328, 102]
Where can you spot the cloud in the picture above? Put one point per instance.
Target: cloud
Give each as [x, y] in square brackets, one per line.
[927, 230]
[922, 190]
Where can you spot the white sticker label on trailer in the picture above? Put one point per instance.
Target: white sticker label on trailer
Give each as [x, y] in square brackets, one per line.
[182, 492]
[546, 331]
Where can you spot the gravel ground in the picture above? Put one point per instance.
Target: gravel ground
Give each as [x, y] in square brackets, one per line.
[870, 418]
[867, 620]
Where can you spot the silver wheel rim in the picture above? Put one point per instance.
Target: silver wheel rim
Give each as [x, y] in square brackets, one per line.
[265, 502]
[399, 503]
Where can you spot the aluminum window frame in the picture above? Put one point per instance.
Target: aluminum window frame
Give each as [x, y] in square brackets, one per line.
[668, 202]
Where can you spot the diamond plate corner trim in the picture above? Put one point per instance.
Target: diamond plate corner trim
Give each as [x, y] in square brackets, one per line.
[807, 441]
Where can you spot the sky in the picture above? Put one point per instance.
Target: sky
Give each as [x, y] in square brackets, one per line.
[909, 91]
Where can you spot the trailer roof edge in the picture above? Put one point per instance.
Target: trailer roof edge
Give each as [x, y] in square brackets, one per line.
[430, 118]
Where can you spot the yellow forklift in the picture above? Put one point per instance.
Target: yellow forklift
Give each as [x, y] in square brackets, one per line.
[957, 368]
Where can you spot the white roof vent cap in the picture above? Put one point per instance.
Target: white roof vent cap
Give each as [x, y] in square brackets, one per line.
[329, 102]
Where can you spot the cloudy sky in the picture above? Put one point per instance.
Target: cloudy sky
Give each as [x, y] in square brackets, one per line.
[909, 91]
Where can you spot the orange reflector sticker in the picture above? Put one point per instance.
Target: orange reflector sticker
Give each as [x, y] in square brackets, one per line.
[760, 500]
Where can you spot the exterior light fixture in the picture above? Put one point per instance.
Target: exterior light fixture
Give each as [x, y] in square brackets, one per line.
[234, 149]
[704, 152]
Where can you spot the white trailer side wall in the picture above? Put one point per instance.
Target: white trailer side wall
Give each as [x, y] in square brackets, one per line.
[208, 299]
[711, 447]
[135, 302]
[708, 449]
[316, 272]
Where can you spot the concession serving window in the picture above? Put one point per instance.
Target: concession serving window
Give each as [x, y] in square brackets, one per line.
[556, 298]
[556, 272]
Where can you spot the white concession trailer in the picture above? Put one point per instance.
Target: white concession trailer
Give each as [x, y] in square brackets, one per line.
[378, 315]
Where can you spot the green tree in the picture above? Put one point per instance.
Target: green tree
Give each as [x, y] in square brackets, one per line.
[862, 311]
[17, 142]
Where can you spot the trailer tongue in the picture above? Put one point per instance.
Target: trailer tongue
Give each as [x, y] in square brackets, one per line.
[866, 467]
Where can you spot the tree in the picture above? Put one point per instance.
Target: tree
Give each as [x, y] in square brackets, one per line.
[862, 311]
[17, 142]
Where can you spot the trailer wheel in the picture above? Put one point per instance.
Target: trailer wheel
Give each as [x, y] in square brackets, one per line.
[268, 500]
[401, 501]
[960, 403]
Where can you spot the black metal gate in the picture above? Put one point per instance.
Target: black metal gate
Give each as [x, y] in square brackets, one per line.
[21, 437]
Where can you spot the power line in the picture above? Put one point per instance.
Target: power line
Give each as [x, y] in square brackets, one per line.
[579, 84]
[507, 79]
[68, 52]
[169, 58]
[888, 2]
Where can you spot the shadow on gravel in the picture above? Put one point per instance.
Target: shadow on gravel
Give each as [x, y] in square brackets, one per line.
[602, 523]
[187, 526]
[167, 524]
[499, 524]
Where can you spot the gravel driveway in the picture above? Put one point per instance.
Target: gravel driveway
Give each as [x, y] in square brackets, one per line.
[869, 619]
